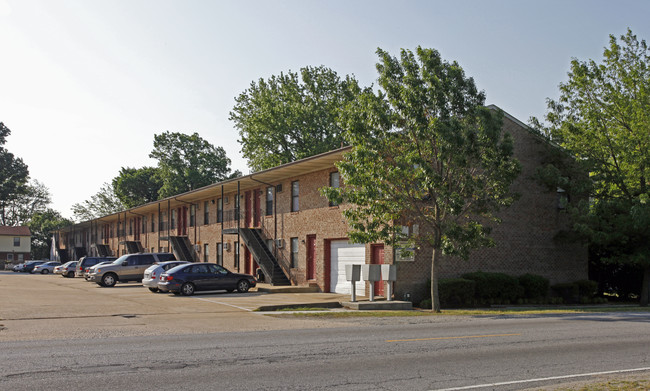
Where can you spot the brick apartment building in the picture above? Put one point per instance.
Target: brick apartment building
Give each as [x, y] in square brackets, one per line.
[276, 220]
[15, 244]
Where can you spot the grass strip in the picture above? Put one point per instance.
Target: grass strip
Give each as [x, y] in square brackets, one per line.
[322, 313]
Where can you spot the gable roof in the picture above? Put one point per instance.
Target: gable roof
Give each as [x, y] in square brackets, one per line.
[15, 231]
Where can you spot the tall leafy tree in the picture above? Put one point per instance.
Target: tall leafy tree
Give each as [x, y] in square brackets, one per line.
[291, 116]
[104, 202]
[41, 226]
[187, 162]
[137, 186]
[602, 118]
[14, 176]
[426, 153]
[20, 208]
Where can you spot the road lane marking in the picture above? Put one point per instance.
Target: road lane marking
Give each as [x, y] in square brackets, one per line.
[544, 379]
[460, 337]
[220, 302]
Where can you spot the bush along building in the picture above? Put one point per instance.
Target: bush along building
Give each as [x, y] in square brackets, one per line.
[277, 221]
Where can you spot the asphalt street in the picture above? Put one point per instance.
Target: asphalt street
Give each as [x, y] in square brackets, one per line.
[424, 353]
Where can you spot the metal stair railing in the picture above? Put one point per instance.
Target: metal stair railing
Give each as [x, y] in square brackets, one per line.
[265, 259]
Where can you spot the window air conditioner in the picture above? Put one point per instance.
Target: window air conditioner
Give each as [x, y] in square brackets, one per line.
[279, 243]
[197, 248]
[227, 246]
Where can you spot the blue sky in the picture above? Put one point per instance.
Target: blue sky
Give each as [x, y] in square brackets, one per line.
[85, 84]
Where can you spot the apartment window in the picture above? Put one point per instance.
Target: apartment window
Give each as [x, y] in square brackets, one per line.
[294, 252]
[192, 215]
[10, 257]
[206, 252]
[220, 254]
[153, 223]
[206, 212]
[21, 257]
[295, 190]
[269, 200]
[173, 222]
[144, 224]
[269, 244]
[236, 245]
[130, 226]
[16, 242]
[409, 252]
[219, 210]
[334, 182]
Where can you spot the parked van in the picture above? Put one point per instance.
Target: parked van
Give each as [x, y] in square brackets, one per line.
[129, 267]
[86, 262]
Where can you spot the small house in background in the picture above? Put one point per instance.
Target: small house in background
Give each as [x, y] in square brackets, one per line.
[15, 244]
[277, 223]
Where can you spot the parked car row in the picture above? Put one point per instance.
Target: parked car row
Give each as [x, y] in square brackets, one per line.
[160, 272]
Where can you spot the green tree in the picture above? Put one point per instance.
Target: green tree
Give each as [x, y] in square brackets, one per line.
[41, 225]
[19, 209]
[602, 118]
[104, 202]
[291, 116]
[426, 153]
[13, 178]
[137, 186]
[188, 162]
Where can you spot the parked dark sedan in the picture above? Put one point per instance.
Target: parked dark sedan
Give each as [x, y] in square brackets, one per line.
[193, 277]
[30, 265]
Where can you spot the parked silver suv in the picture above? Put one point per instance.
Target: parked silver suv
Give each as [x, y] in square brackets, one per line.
[129, 267]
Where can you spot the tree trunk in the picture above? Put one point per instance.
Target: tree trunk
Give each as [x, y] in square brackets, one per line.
[645, 287]
[435, 299]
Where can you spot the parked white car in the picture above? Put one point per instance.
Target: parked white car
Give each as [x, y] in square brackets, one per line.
[153, 272]
[47, 267]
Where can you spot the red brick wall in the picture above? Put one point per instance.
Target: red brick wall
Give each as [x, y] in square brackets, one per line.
[525, 240]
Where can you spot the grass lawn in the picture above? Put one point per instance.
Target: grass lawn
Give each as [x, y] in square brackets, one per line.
[328, 313]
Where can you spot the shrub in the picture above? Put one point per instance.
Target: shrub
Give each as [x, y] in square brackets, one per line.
[587, 288]
[456, 292]
[535, 287]
[576, 292]
[568, 291]
[495, 288]
[426, 304]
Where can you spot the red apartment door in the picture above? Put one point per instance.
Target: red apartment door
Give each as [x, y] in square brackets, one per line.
[136, 229]
[311, 257]
[377, 258]
[182, 221]
[247, 205]
[256, 208]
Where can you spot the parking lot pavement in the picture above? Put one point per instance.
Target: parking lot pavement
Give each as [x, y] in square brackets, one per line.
[46, 306]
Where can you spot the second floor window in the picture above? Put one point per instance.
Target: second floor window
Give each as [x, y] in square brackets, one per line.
[206, 212]
[192, 215]
[173, 220]
[335, 183]
[219, 210]
[16, 242]
[295, 191]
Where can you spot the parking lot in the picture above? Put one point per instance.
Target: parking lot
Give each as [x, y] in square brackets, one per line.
[52, 307]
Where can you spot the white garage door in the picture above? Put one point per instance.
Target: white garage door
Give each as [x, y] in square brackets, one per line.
[344, 253]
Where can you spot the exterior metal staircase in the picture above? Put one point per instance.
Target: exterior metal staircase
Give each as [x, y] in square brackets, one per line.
[273, 272]
[182, 248]
[133, 247]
